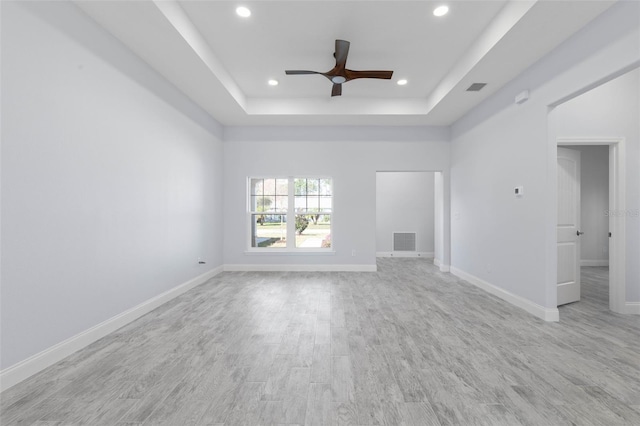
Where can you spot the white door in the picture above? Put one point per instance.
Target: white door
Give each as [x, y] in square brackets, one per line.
[568, 226]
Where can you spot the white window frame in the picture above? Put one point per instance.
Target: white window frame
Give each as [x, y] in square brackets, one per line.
[290, 249]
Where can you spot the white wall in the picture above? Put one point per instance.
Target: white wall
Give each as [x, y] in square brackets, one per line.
[405, 203]
[350, 155]
[509, 242]
[438, 221]
[594, 203]
[612, 110]
[111, 180]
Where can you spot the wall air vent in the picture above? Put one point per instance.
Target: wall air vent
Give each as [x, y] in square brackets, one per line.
[476, 87]
[404, 241]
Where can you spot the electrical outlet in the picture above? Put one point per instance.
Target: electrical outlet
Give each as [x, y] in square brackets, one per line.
[353, 252]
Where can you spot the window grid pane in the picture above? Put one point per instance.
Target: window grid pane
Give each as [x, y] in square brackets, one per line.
[301, 203]
[269, 187]
[300, 186]
[257, 186]
[313, 231]
[325, 204]
[268, 231]
[281, 204]
[325, 187]
[313, 186]
[313, 204]
[282, 187]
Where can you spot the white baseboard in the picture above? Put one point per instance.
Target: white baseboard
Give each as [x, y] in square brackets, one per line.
[442, 266]
[267, 267]
[427, 254]
[632, 308]
[547, 314]
[13, 375]
[594, 262]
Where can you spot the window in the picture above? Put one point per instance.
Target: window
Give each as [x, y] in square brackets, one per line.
[290, 213]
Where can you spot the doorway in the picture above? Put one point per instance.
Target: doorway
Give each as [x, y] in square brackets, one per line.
[405, 210]
[603, 114]
[399, 193]
[615, 223]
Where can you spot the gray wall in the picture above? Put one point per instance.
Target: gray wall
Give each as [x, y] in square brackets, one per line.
[351, 156]
[506, 241]
[405, 203]
[111, 180]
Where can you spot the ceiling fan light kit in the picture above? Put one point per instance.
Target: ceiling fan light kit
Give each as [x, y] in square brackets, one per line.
[340, 74]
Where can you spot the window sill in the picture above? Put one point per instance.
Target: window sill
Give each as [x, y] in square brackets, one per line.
[284, 252]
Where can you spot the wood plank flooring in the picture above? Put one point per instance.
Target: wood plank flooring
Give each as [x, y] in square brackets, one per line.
[407, 345]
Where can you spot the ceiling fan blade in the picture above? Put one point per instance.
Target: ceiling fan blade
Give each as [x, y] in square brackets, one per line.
[351, 75]
[337, 90]
[300, 72]
[342, 50]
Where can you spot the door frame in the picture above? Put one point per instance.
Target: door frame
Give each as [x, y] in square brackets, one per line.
[617, 219]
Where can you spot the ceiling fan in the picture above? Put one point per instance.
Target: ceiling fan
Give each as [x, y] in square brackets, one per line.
[340, 74]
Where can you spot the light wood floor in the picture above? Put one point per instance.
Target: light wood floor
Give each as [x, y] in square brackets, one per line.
[407, 345]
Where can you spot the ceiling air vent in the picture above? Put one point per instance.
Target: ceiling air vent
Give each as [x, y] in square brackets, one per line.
[476, 87]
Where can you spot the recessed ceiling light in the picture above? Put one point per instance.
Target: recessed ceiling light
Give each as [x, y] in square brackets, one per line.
[273, 82]
[441, 10]
[243, 11]
[402, 82]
